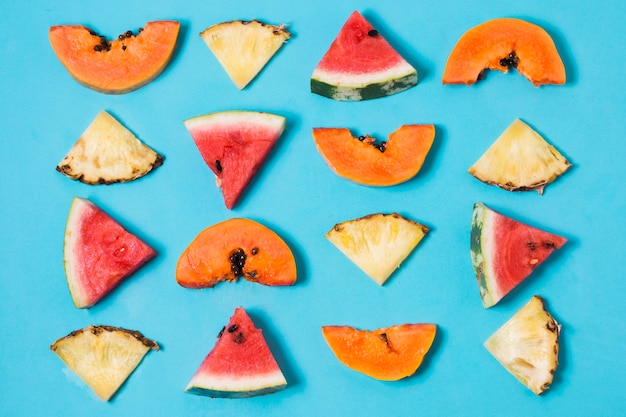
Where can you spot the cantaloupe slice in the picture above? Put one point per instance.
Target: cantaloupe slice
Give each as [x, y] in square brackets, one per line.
[387, 354]
[504, 43]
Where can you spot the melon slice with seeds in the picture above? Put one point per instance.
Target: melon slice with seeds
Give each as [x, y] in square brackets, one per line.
[377, 243]
[244, 47]
[103, 356]
[520, 160]
[107, 153]
[528, 345]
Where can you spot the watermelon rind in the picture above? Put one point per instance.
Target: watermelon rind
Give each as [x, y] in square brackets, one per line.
[230, 117]
[237, 387]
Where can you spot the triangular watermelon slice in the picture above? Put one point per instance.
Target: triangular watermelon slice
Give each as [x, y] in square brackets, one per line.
[505, 252]
[234, 144]
[360, 65]
[98, 253]
[240, 365]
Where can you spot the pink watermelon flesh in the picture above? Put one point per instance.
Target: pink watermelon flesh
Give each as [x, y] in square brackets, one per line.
[99, 253]
[240, 364]
[505, 252]
[358, 49]
[234, 145]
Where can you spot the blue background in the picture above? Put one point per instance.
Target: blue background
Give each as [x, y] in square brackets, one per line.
[44, 111]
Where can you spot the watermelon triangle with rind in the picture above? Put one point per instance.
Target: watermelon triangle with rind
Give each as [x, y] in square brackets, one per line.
[360, 65]
[505, 252]
[235, 144]
[240, 364]
[98, 253]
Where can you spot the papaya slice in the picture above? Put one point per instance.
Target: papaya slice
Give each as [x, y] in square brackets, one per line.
[504, 43]
[387, 354]
[119, 66]
[236, 248]
[365, 161]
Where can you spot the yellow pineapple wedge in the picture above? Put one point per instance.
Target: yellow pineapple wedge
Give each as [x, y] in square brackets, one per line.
[528, 345]
[244, 47]
[520, 160]
[377, 243]
[107, 153]
[103, 356]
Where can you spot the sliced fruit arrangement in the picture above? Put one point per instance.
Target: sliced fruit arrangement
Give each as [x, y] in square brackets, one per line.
[103, 356]
[377, 243]
[504, 43]
[505, 252]
[387, 354]
[365, 161]
[234, 144]
[244, 47]
[520, 160]
[98, 253]
[119, 66]
[528, 345]
[360, 65]
[107, 153]
[240, 364]
[236, 248]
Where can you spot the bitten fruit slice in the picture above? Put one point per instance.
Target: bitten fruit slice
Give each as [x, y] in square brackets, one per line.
[528, 345]
[505, 252]
[360, 65]
[364, 161]
[119, 66]
[107, 153]
[103, 356]
[244, 47]
[234, 144]
[236, 248]
[520, 160]
[504, 43]
[240, 364]
[98, 253]
[377, 243]
[387, 354]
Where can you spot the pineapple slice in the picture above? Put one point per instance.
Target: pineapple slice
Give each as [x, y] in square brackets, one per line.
[107, 153]
[244, 47]
[103, 356]
[377, 243]
[528, 345]
[520, 160]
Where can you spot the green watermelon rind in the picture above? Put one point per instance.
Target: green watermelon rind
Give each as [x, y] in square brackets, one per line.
[480, 250]
[237, 387]
[78, 293]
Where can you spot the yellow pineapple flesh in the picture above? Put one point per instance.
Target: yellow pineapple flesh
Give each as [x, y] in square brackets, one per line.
[107, 153]
[243, 47]
[377, 243]
[528, 345]
[103, 356]
[520, 160]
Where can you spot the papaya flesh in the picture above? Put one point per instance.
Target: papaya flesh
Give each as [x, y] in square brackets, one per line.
[236, 248]
[387, 354]
[504, 43]
[362, 160]
[120, 66]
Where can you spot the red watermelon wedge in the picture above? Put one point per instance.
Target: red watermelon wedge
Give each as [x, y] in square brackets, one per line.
[360, 65]
[240, 365]
[505, 252]
[98, 253]
[234, 144]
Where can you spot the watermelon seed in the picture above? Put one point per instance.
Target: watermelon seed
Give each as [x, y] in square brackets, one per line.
[232, 328]
[218, 165]
[239, 338]
[221, 332]
[549, 245]
[531, 245]
[372, 33]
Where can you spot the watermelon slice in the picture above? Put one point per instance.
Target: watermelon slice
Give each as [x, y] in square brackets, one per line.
[234, 144]
[98, 253]
[505, 252]
[360, 65]
[240, 365]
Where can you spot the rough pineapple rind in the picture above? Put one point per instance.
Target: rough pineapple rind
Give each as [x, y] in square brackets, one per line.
[528, 345]
[520, 160]
[103, 356]
[107, 153]
[243, 47]
[377, 243]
